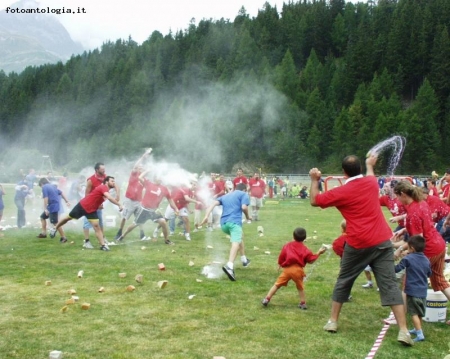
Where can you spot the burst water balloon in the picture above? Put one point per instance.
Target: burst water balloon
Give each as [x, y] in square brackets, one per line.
[397, 145]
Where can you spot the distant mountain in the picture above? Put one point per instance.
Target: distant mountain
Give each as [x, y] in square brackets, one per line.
[32, 39]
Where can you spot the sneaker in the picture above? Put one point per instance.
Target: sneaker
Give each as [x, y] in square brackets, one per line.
[88, 245]
[195, 230]
[145, 238]
[390, 321]
[303, 306]
[367, 285]
[419, 338]
[119, 239]
[169, 242]
[188, 236]
[118, 235]
[246, 264]
[41, 235]
[104, 248]
[265, 301]
[63, 240]
[155, 233]
[249, 221]
[229, 272]
[412, 331]
[405, 338]
[52, 232]
[330, 326]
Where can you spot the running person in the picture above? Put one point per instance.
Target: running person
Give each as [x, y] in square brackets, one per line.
[154, 192]
[88, 207]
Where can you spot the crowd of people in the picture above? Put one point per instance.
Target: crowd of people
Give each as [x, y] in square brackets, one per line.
[420, 210]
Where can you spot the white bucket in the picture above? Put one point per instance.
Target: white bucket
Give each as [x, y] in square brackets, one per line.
[110, 221]
[436, 310]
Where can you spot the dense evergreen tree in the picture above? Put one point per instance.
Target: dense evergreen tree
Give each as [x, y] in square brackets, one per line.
[285, 90]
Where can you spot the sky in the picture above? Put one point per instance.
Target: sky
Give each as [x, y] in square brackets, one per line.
[112, 19]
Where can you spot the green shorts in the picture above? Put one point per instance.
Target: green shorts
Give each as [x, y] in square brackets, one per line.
[234, 230]
[416, 306]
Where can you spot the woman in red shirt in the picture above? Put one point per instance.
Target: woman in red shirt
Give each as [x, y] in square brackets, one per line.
[419, 222]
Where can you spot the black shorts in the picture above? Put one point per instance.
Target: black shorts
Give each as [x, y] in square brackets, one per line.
[53, 217]
[146, 214]
[78, 212]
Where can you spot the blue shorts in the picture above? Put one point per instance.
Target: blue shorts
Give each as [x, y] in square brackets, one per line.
[234, 230]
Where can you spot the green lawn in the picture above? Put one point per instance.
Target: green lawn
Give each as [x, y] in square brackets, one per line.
[224, 318]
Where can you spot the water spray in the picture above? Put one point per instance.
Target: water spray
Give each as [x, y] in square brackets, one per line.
[397, 144]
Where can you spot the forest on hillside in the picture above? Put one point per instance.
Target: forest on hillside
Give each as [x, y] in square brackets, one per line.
[286, 90]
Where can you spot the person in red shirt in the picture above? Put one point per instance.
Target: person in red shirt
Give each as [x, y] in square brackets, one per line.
[293, 258]
[419, 222]
[182, 196]
[444, 187]
[240, 178]
[133, 195]
[88, 207]
[391, 202]
[439, 210]
[154, 193]
[92, 182]
[368, 239]
[257, 192]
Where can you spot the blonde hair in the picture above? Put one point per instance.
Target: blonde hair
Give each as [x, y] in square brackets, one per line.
[410, 190]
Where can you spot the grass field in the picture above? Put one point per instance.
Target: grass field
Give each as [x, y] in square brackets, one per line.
[224, 318]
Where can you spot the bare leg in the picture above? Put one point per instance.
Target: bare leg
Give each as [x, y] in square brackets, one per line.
[272, 291]
[163, 224]
[44, 226]
[399, 313]
[98, 232]
[302, 296]
[129, 229]
[62, 222]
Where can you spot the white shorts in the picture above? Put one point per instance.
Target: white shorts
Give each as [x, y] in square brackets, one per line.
[256, 202]
[130, 207]
[170, 213]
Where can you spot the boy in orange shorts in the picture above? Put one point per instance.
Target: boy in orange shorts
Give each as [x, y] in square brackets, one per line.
[293, 258]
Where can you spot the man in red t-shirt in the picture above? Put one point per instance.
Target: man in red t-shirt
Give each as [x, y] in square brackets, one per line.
[257, 192]
[240, 178]
[133, 195]
[182, 196]
[368, 239]
[154, 193]
[92, 182]
[88, 207]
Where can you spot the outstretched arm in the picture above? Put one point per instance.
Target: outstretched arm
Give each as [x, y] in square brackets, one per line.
[139, 161]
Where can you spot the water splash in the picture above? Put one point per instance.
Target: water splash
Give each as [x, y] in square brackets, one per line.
[397, 145]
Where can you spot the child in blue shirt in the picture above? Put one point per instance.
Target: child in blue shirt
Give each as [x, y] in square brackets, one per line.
[417, 270]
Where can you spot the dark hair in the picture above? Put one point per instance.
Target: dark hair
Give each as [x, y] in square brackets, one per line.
[299, 234]
[97, 165]
[425, 190]
[241, 187]
[417, 242]
[107, 178]
[43, 181]
[351, 166]
[393, 183]
[447, 170]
